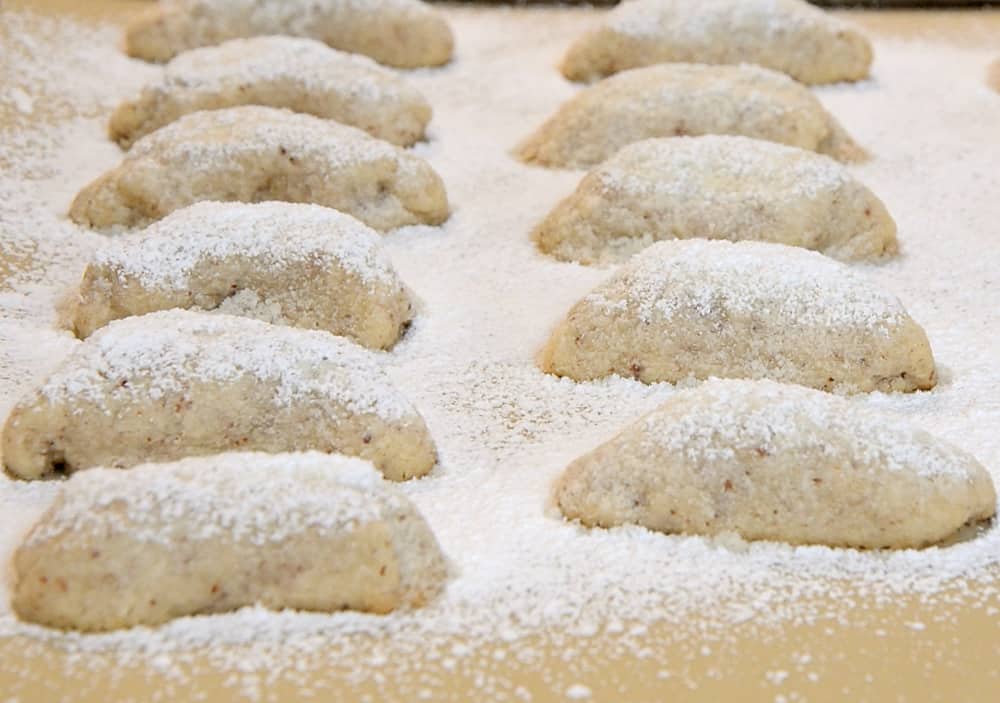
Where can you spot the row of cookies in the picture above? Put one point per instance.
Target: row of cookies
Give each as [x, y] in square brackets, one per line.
[601, 481]
[762, 459]
[160, 541]
[259, 211]
[266, 249]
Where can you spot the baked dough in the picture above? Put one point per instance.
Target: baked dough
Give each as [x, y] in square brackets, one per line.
[253, 154]
[401, 33]
[778, 462]
[790, 36]
[700, 308]
[300, 265]
[674, 100]
[213, 534]
[717, 187]
[299, 74]
[176, 383]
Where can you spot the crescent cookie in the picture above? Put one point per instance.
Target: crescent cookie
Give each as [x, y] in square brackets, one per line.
[299, 265]
[790, 36]
[253, 154]
[717, 187]
[401, 33]
[701, 308]
[214, 534]
[673, 100]
[302, 75]
[176, 383]
[778, 462]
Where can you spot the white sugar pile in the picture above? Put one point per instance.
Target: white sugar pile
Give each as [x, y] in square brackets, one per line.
[504, 430]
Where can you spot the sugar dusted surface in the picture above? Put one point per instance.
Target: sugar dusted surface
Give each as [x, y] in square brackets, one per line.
[504, 430]
[252, 497]
[787, 172]
[318, 66]
[655, 18]
[701, 277]
[165, 350]
[273, 234]
[789, 418]
[207, 138]
[276, 13]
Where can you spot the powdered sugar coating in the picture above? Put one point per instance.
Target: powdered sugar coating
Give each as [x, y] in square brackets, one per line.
[248, 497]
[302, 265]
[786, 35]
[303, 75]
[717, 187]
[208, 535]
[316, 65]
[696, 161]
[172, 346]
[252, 153]
[778, 462]
[685, 99]
[272, 234]
[403, 33]
[723, 418]
[670, 280]
[699, 308]
[530, 586]
[203, 140]
[673, 18]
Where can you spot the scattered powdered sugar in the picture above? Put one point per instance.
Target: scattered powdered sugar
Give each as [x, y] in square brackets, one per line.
[722, 417]
[717, 279]
[751, 169]
[272, 234]
[313, 64]
[87, 81]
[773, 19]
[724, 94]
[252, 497]
[295, 16]
[523, 578]
[165, 352]
[204, 140]
[248, 303]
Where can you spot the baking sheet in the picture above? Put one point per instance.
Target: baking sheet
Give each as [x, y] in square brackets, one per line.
[857, 647]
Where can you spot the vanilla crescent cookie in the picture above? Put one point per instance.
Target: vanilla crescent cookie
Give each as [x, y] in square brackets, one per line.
[253, 154]
[778, 462]
[401, 33]
[302, 75]
[790, 36]
[717, 187]
[673, 100]
[213, 534]
[173, 384]
[700, 308]
[299, 265]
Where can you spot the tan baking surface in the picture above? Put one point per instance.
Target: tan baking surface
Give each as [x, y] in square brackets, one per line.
[866, 651]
